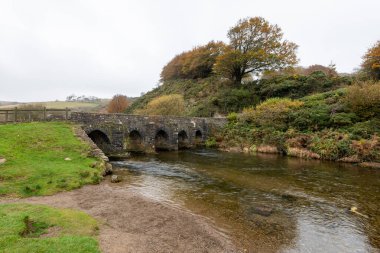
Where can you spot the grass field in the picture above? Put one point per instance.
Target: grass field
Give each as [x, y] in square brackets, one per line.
[62, 105]
[36, 164]
[28, 228]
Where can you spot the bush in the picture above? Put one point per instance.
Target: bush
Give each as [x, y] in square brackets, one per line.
[364, 99]
[273, 112]
[232, 117]
[173, 105]
[331, 145]
[211, 143]
[367, 150]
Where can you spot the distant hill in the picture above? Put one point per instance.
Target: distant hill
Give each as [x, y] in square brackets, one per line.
[75, 106]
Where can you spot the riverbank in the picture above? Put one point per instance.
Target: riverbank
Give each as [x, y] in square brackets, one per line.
[43, 158]
[339, 125]
[131, 222]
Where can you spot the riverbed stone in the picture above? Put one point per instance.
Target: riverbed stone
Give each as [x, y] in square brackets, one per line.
[262, 210]
[115, 179]
[108, 169]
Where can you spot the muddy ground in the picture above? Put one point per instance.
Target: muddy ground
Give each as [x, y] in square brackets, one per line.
[131, 222]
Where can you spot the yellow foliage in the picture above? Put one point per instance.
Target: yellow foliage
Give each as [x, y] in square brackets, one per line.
[173, 105]
[271, 113]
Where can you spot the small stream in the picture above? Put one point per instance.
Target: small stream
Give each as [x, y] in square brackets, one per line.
[267, 203]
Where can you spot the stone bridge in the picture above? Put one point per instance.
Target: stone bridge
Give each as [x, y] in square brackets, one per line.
[117, 133]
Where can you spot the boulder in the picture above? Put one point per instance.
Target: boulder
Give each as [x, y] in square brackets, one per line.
[115, 179]
[2, 160]
[67, 159]
[108, 170]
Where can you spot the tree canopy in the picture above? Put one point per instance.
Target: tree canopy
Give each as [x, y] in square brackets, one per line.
[193, 64]
[118, 104]
[371, 61]
[255, 46]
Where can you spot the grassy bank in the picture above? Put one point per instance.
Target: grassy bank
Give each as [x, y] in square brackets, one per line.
[339, 125]
[42, 159]
[35, 228]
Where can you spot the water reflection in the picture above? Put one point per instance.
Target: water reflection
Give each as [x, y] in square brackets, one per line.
[268, 203]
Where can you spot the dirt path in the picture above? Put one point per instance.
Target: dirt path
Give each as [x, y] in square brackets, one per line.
[131, 222]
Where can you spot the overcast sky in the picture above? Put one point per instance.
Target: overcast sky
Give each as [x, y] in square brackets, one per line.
[50, 49]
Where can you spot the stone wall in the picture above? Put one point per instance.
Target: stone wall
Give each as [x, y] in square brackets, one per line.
[123, 132]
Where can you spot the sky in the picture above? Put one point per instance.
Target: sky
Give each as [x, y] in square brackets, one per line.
[50, 49]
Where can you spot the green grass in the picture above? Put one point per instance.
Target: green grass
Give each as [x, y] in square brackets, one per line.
[36, 165]
[74, 230]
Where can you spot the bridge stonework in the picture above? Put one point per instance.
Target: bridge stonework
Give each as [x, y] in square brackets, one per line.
[116, 133]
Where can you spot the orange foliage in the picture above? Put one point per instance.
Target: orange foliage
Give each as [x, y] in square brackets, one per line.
[118, 104]
[371, 61]
[196, 63]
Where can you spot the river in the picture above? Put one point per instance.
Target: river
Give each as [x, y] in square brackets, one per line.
[266, 203]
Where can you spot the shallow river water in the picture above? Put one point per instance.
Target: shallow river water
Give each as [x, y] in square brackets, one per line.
[267, 203]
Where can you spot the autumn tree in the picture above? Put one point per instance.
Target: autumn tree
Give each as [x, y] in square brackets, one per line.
[118, 104]
[193, 64]
[173, 105]
[255, 46]
[371, 62]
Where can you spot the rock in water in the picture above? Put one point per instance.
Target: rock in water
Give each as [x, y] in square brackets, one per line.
[115, 179]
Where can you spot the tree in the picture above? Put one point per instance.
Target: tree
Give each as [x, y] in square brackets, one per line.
[255, 46]
[118, 104]
[173, 105]
[193, 64]
[329, 70]
[371, 61]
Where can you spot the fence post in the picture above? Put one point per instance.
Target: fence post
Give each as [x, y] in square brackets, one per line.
[44, 113]
[67, 113]
[6, 116]
[15, 114]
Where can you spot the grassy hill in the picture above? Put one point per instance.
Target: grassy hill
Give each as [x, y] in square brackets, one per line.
[210, 96]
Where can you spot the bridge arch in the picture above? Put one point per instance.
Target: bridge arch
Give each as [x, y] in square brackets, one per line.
[100, 139]
[134, 141]
[161, 141]
[183, 140]
[198, 137]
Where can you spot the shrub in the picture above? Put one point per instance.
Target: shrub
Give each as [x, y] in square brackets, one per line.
[364, 99]
[232, 117]
[211, 143]
[331, 145]
[165, 105]
[367, 150]
[271, 113]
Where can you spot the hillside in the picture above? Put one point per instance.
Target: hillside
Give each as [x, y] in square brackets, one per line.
[211, 96]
